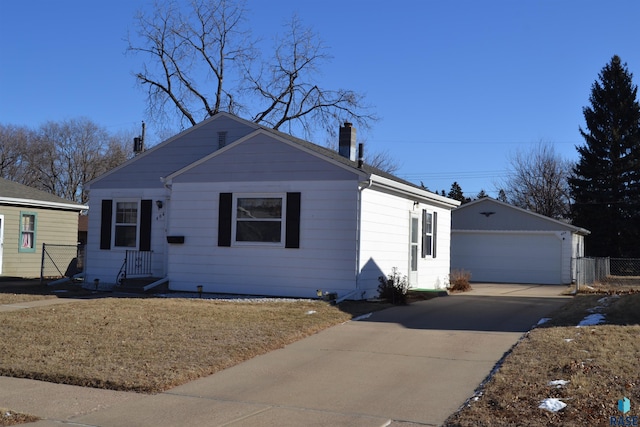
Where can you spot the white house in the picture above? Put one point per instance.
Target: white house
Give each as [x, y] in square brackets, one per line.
[235, 207]
[498, 242]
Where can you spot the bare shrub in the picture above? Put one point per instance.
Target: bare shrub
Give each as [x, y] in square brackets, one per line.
[459, 281]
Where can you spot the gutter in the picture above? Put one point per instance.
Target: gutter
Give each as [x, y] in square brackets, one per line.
[413, 192]
[43, 204]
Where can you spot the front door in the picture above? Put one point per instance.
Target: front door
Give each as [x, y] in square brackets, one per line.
[1, 240]
[413, 251]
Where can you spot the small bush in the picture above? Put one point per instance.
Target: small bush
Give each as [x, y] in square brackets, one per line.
[394, 287]
[459, 281]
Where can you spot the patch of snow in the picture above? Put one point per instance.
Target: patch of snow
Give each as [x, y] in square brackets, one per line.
[568, 339]
[363, 317]
[607, 300]
[558, 383]
[311, 312]
[592, 319]
[552, 405]
[543, 320]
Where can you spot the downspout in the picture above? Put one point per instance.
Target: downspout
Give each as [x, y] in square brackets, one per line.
[362, 185]
[167, 200]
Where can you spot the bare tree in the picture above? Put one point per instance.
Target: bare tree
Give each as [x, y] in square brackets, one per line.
[60, 158]
[289, 94]
[203, 60]
[13, 146]
[190, 55]
[538, 181]
[382, 160]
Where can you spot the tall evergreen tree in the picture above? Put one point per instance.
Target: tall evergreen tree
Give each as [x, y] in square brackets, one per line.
[606, 182]
[455, 193]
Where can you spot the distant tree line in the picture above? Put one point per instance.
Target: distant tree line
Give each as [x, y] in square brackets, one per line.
[60, 157]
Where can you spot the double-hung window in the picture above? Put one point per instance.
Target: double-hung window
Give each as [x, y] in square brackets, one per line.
[126, 224]
[429, 229]
[27, 241]
[259, 219]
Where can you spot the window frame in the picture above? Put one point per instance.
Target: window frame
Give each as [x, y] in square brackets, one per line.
[115, 224]
[282, 220]
[34, 232]
[429, 217]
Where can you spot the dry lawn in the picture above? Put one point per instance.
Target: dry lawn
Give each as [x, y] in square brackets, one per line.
[601, 363]
[151, 344]
[11, 418]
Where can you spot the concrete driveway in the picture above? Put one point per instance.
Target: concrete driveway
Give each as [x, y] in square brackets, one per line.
[411, 365]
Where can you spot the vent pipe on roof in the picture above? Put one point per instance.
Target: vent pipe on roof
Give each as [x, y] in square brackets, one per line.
[347, 141]
[360, 155]
[138, 142]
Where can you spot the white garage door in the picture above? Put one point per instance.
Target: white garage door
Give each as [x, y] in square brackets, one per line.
[508, 258]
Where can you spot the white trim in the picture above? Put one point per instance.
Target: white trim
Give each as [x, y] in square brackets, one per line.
[42, 203]
[168, 141]
[114, 223]
[234, 219]
[168, 179]
[571, 227]
[412, 192]
[557, 233]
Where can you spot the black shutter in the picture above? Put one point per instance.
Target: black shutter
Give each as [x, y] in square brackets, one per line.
[145, 225]
[435, 233]
[292, 230]
[105, 224]
[424, 234]
[224, 219]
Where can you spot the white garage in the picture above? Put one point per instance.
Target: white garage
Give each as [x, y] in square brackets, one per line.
[500, 243]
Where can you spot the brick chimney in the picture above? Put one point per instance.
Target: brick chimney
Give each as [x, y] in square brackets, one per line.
[347, 141]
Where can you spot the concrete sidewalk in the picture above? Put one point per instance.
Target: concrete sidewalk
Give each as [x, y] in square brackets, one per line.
[404, 366]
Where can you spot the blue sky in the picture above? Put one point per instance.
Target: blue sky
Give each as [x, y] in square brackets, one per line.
[459, 85]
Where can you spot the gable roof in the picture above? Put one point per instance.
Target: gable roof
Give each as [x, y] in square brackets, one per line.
[376, 177]
[13, 193]
[491, 201]
[366, 171]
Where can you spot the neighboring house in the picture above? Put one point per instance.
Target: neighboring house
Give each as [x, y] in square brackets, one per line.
[29, 218]
[498, 242]
[235, 207]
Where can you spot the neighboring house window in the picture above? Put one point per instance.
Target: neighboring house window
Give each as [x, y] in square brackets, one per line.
[259, 219]
[27, 232]
[126, 224]
[264, 219]
[222, 139]
[429, 229]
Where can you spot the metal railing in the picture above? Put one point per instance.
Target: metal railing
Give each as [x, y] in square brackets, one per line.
[136, 264]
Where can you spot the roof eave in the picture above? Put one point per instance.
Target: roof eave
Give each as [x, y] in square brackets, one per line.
[413, 192]
[43, 204]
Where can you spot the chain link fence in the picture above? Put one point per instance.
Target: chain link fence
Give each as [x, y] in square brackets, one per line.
[597, 270]
[60, 261]
[625, 267]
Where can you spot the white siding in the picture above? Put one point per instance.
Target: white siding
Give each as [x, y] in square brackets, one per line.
[325, 260]
[385, 241]
[104, 264]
